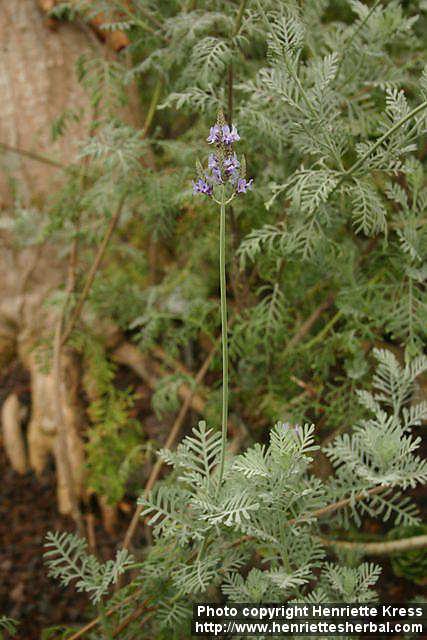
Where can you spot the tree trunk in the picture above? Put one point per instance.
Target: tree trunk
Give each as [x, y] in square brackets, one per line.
[37, 84]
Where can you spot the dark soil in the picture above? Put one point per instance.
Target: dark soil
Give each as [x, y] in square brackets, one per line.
[28, 511]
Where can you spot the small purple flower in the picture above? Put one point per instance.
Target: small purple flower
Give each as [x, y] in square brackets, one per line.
[214, 134]
[231, 164]
[243, 185]
[213, 161]
[213, 164]
[202, 186]
[228, 137]
[216, 175]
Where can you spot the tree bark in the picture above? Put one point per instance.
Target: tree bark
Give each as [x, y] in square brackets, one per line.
[37, 84]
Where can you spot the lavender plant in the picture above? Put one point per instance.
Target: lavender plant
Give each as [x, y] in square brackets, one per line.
[223, 181]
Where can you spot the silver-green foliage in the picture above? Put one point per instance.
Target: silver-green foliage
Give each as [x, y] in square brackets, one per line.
[68, 560]
[270, 507]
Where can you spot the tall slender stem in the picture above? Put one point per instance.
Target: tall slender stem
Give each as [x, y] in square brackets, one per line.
[223, 289]
[153, 106]
[347, 43]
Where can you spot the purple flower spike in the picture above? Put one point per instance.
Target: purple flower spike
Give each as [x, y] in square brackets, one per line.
[231, 164]
[228, 137]
[223, 167]
[214, 134]
[243, 185]
[201, 186]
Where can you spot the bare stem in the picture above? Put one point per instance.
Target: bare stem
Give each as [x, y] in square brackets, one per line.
[90, 625]
[32, 155]
[378, 548]
[153, 106]
[324, 511]
[350, 40]
[93, 271]
[223, 289]
[382, 139]
[340, 504]
[239, 17]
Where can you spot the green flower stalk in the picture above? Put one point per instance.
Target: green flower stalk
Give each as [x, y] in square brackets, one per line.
[224, 336]
[223, 180]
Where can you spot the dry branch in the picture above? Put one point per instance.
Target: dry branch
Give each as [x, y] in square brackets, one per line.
[92, 272]
[130, 356]
[307, 324]
[377, 548]
[90, 625]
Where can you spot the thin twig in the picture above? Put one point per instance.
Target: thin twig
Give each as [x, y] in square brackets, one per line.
[340, 504]
[91, 536]
[324, 306]
[93, 271]
[173, 434]
[307, 325]
[90, 625]
[133, 616]
[129, 355]
[378, 548]
[151, 17]
[354, 167]
[347, 43]
[319, 336]
[323, 511]
[239, 17]
[169, 360]
[311, 391]
[230, 93]
[32, 155]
